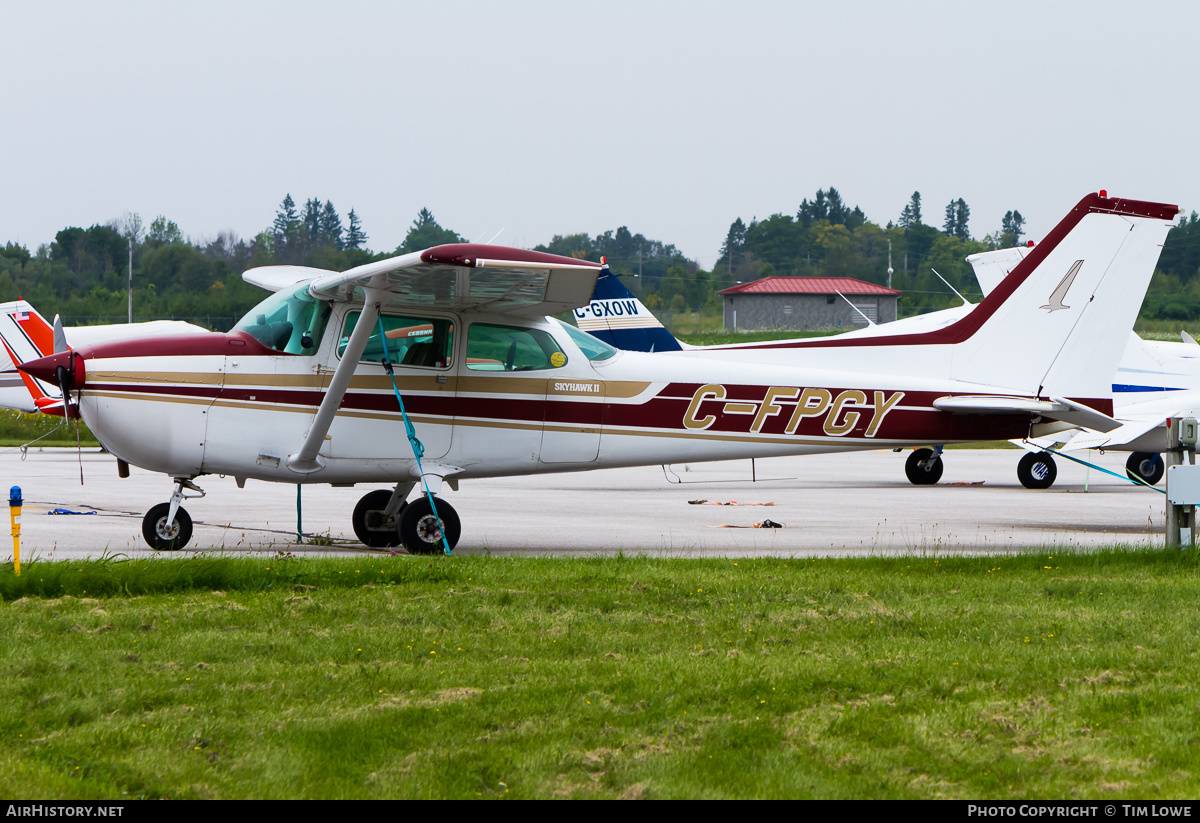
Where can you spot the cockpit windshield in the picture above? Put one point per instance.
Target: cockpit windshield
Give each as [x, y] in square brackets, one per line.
[289, 321]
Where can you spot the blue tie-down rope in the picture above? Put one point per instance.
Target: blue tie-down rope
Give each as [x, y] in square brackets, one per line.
[417, 447]
[1137, 481]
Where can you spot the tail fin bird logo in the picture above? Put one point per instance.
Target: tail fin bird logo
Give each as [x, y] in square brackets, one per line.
[1060, 291]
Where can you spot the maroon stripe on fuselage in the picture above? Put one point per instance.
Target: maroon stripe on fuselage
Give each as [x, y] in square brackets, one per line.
[963, 329]
[182, 345]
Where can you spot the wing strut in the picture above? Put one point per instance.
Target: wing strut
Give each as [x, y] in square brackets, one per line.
[417, 448]
[307, 461]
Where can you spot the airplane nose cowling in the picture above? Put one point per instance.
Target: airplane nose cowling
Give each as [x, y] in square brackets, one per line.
[46, 369]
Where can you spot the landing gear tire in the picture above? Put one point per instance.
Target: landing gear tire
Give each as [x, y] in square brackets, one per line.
[371, 526]
[1037, 471]
[163, 536]
[923, 467]
[419, 528]
[1147, 466]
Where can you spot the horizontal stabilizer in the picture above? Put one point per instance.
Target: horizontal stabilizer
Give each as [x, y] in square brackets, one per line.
[1067, 411]
[1121, 436]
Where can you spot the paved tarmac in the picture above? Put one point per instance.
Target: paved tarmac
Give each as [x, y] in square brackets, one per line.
[857, 503]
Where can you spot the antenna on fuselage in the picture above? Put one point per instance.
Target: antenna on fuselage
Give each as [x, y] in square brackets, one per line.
[870, 322]
[966, 302]
[494, 236]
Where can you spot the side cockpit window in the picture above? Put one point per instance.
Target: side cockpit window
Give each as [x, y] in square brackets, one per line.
[291, 322]
[416, 342]
[511, 348]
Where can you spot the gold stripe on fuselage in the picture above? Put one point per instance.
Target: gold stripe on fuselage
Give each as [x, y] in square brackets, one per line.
[473, 384]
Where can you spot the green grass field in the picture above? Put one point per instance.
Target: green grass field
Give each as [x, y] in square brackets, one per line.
[1032, 676]
[17, 429]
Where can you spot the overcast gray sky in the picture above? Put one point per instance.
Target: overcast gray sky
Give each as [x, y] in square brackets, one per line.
[542, 118]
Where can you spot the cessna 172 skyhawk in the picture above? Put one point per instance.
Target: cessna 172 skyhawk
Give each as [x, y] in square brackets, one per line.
[296, 392]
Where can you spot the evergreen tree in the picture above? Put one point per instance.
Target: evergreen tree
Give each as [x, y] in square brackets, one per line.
[735, 240]
[829, 205]
[837, 211]
[426, 233]
[1011, 229]
[355, 237]
[962, 216]
[951, 214]
[285, 231]
[331, 227]
[312, 224]
[957, 217]
[911, 216]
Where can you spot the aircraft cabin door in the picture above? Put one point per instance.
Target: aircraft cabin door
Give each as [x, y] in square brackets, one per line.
[574, 416]
[368, 425]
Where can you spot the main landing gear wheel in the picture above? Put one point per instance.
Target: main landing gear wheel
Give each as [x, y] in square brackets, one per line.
[923, 467]
[163, 536]
[1146, 465]
[371, 525]
[1037, 471]
[419, 528]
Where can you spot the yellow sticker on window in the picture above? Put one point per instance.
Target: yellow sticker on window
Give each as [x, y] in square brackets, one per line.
[558, 359]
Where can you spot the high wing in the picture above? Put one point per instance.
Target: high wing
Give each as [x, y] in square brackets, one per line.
[457, 277]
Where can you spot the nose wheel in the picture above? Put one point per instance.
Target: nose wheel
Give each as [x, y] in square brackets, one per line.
[167, 527]
[163, 534]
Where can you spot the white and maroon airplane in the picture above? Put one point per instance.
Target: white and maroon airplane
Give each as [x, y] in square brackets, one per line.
[297, 392]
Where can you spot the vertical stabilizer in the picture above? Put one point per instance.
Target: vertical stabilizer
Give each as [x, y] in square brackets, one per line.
[618, 318]
[1057, 325]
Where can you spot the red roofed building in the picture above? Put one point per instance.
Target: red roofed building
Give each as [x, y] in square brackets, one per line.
[805, 303]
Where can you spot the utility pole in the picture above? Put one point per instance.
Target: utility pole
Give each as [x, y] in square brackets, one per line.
[130, 278]
[1183, 482]
[890, 263]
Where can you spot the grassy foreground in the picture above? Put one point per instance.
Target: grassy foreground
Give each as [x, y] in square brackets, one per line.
[1032, 676]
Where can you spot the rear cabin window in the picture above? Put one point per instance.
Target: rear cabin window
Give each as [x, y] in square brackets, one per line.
[511, 348]
[414, 342]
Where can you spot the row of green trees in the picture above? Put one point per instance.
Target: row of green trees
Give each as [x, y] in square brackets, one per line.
[83, 273]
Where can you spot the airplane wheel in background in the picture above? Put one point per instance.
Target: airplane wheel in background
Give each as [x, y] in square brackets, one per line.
[163, 536]
[1037, 471]
[370, 526]
[419, 528]
[1146, 465]
[923, 467]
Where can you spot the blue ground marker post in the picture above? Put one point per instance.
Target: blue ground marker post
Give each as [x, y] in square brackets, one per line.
[14, 512]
